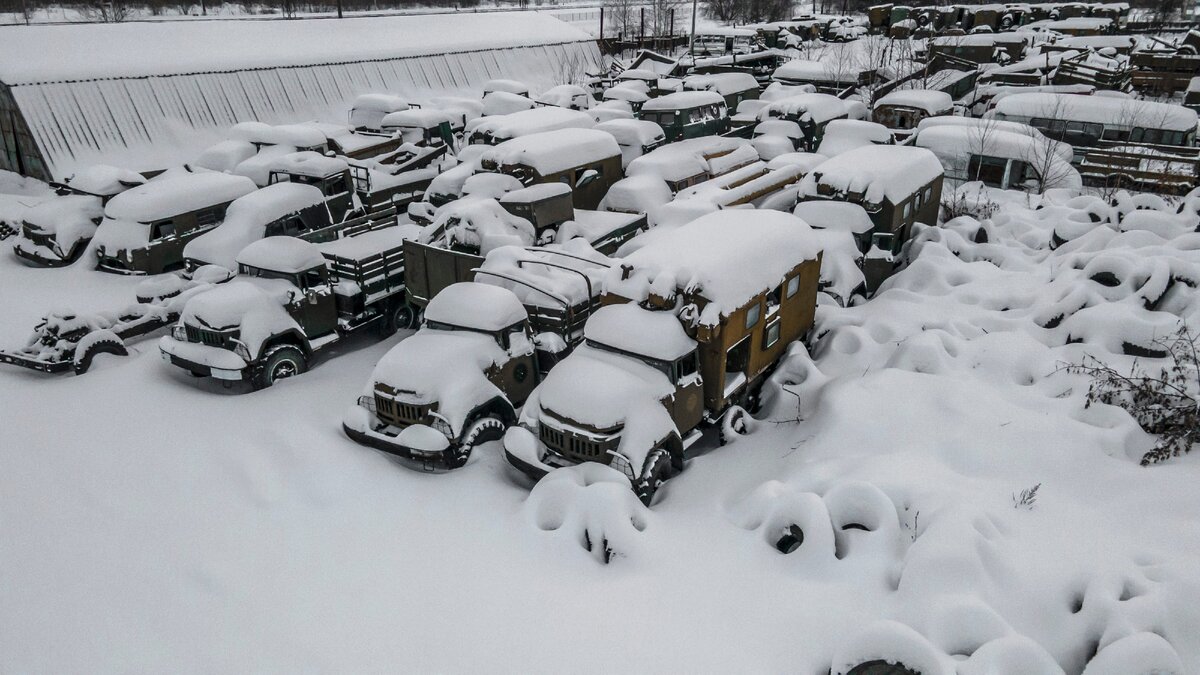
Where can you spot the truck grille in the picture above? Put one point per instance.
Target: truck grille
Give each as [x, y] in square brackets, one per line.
[576, 448]
[397, 414]
[212, 338]
[38, 236]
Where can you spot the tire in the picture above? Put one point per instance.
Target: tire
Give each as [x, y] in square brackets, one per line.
[648, 485]
[106, 346]
[400, 316]
[547, 236]
[733, 424]
[482, 430]
[280, 362]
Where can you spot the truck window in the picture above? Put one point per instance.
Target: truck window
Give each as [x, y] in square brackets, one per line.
[685, 366]
[752, 314]
[207, 217]
[162, 229]
[774, 297]
[771, 334]
[793, 285]
[989, 170]
[313, 278]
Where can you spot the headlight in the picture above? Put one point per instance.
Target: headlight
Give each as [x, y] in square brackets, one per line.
[241, 350]
[178, 332]
[439, 424]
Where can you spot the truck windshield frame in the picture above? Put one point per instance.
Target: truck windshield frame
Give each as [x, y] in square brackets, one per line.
[664, 367]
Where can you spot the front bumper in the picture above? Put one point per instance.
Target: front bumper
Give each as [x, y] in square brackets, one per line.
[364, 428]
[37, 254]
[203, 360]
[527, 454]
[17, 358]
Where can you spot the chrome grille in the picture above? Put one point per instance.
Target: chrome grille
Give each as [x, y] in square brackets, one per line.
[212, 338]
[397, 413]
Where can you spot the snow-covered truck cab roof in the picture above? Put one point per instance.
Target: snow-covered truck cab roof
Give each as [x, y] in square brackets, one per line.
[420, 126]
[905, 108]
[100, 180]
[828, 78]
[687, 114]
[571, 96]
[734, 87]
[340, 181]
[302, 137]
[688, 162]
[288, 258]
[146, 228]
[368, 111]
[845, 135]
[1086, 120]
[897, 185]
[587, 160]
[281, 209]
[496, 129]
[508, 86]
[454, 383]
[634, 137]
[811, 111]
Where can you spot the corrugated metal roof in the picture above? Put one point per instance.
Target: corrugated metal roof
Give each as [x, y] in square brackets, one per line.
[145, 122]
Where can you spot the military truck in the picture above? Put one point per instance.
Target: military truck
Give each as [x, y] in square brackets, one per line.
[455, 244]
[282, 209]
[696, 319]
[292, 299]
[897, 185]
[56, 232]
[484, 345]
[350, 189]
[145, 230]
[688, 114]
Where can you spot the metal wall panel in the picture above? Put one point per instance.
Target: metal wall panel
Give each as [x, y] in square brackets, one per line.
[163, 119]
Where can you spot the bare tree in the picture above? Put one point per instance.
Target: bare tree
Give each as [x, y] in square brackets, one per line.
[102, 11]
[622, 16]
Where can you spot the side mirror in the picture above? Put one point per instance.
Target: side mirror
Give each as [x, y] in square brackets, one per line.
[291, 296]
[312, 297]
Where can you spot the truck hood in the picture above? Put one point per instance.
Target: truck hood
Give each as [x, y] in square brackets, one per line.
[444, 367]
[255, 307]
[221, 245]
[121, 235]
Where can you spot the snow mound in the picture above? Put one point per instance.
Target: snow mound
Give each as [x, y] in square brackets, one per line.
[591, 506]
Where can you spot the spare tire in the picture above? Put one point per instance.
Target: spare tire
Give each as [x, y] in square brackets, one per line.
[92, 345]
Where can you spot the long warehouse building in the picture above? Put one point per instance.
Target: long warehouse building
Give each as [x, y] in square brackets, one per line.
[147, 95]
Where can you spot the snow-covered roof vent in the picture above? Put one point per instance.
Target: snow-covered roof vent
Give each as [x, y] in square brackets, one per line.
[632, 329]
[478, 306]
[178, 194]
[287, 255]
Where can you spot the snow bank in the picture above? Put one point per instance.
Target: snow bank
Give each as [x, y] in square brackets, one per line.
[591, 506]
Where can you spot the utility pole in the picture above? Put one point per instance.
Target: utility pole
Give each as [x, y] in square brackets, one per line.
[692, 44]
[25, 10]
[601, 23]
[203, 9]
[339, 8]
[642, 34]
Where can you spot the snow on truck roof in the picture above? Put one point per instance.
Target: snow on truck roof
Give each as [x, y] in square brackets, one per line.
[310, 164]
[480, 306]
[816, 107]
[932, 102]
[630, 132]
[877, 171]
[722, 83]
[1097, 109]
[423, 118]
[728, 257]
[692, 156]
[682, 100]
[103, 180]
[550, 152]
[287, 255]
[629, 328]
[274, 202]
[533, 120]
[177, 47]
[384, 103]
[536, 193]
[801, 70]
[177, 194]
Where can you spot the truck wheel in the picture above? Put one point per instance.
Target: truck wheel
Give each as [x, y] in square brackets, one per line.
[735, 423]
[401, 316]
[279, 362]
[481, 431]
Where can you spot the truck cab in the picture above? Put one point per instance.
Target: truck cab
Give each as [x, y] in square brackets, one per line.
[292, 298]
[453, 385]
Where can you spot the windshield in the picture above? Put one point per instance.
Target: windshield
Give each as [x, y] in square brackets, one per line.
[259, 273]
[663, 367]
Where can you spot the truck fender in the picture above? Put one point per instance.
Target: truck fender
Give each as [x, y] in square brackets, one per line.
[292, 337]
[498, 406]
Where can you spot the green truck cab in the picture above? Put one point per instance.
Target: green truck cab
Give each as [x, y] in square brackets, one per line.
[688, 114]
[145, 229]
[292, 298]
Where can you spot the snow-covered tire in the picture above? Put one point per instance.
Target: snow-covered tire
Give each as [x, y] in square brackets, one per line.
[94, 344]
[479, 432]
[547, 236]
[648, 485]
[735, 422]
[401, 316]
[280, 362]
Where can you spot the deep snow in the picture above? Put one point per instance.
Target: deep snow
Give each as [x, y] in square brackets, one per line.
[153, 522]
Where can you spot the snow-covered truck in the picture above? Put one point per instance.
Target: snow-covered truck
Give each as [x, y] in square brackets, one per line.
[449, 250]
[349, 189]
[483, 346]
[57, 231]
[896, 185]
[699, 315]
[587, 160]
[145, 229]
[292, 299]
[66, 340]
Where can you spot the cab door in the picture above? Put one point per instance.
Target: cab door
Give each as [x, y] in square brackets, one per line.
[315, 308]
[687, 408]
[519, 375]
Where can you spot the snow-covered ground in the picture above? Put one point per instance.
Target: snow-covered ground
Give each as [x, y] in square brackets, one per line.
[152, 522]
